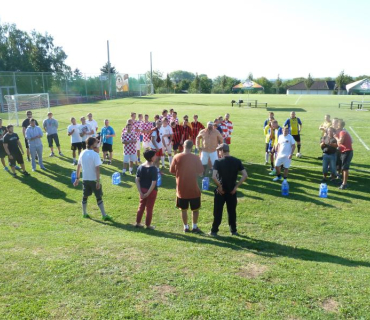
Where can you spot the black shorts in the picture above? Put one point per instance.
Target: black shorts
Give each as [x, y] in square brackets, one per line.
[89, 187]
[76, 145]
[184, 204]
[2, 151]
[26, 143]
[52, 137]
[346, 158]
[107, 147]
[84, 145]
[297, 137]
[17, 157]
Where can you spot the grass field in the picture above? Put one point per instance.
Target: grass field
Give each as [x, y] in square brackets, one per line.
[298, 257]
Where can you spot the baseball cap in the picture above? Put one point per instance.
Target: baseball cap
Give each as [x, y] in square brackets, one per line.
[224, 147]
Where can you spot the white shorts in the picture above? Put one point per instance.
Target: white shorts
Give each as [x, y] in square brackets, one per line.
[205, 156]
[283, 161]
[167, 149]
[146, 144]
[129, 158]
[138, 146]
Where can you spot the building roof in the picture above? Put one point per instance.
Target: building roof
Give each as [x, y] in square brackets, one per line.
[298, 86]
[317, 85]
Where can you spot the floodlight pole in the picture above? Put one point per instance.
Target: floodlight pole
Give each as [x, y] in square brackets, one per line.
[109, 92]
[151, 73]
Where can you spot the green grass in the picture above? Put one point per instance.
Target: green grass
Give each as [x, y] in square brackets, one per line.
[298, 257]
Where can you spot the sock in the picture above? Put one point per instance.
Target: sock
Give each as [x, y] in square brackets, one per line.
[130, 169]
[285, 178]
[157, 169]
[84, 206]
[162, 160]
[186, 226]
[101, 207]
[272, 165]
[195, 226]
[170, 159]
[74, 159]
[299, 148]
[279, 175]
[138, 159]
[266, 157]
[124, 170]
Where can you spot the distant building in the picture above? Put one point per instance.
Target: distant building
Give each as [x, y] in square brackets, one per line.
[320, 87]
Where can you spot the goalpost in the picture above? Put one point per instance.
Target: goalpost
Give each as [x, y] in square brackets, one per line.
[39, 102]
[146, 89]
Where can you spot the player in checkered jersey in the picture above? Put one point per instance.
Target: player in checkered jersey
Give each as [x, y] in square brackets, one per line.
[146, 129]
[129, 150]
[227, 128]
[136, 127]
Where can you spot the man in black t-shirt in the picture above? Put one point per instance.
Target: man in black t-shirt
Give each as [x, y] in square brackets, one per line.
[25, 125]
[225, 174]
[3, 131]
[14, 150]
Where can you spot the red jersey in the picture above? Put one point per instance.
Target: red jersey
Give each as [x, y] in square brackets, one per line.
[196, 128]
[346, 144]
[186, 133]
[177, 134]
[131, 147]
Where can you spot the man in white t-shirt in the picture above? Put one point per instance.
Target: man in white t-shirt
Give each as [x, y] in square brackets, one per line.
[73, 131]
[89, 161]
[167, 133]
[285, 151]
[156, 142]
[85, 131]
[93, 124]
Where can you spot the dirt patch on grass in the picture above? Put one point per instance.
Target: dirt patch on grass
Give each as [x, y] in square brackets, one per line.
[163, 291]
[252, 271]
[330, 305]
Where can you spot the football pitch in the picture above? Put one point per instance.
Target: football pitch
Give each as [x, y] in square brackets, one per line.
[297, 257]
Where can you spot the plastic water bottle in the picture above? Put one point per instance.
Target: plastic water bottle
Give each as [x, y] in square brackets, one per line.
[205, 183]
[159, 180]
[285, 188]
[196, 151]
[323, 191]
[116, 178]
[73, 176]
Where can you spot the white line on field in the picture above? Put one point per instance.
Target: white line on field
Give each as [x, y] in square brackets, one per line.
[298, 99]
[366, 147]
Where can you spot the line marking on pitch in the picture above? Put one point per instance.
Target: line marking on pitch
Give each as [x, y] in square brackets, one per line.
[366, 147]
[298, 100]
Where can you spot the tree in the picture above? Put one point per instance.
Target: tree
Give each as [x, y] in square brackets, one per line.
[20, 51]
[77, 74]
[278, 84]
[157, 79]
[205, 84]
[342, 80]
[182, 75]
[196, 83]
[250, 76]
[104, 69]
[265, 83]
[168, 82]
[308, 82]
[224, 84]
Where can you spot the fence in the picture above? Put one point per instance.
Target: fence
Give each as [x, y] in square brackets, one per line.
[70, 89]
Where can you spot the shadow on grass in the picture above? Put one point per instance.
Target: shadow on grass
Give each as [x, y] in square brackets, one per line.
[257, 246]
[45, 189]
[287, 109]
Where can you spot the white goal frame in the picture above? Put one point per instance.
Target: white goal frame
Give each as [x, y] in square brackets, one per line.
[22, 102]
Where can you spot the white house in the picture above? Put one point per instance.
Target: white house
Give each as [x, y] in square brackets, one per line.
[320, 87]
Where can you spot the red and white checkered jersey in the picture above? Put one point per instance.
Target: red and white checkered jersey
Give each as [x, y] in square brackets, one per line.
[174, 119]
[131, 147]
[227, 128]
[146, 126]
[136, 126]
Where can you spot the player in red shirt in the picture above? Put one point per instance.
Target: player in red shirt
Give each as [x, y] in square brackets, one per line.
[176, 137]
[196, 127]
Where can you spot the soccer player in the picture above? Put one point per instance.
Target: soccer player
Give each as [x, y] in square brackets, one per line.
[295, 127]
[25, 125]
[51, 128]
[285, 151]
[329, 148]
[93, 124]
[275, 132]
[176, 137]
[325, 125]
[225, 174]
[156, 142]
[146, 183]
[267, 133]
[271, 115]
[85, 131]
[227, 128]
[34, 135]
[174, 117]
[186, 118]
[73, 131]
[167, 133]
[14, 150]
[187, 167]
[136, 128]
[89, 161]
[146, 129]
[129, 140]
[3, 131]
[186, 130]
[196, 127]
[344, 141]
[107, 135]
[207, 142]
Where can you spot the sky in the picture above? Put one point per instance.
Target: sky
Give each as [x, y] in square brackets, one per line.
[291, 38]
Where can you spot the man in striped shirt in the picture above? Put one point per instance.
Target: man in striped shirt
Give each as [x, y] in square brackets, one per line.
[176, 137]
[196, 127]
[227, 129]
[186, 131]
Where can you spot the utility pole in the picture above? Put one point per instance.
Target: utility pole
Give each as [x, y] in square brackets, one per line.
[151, 73]
[109, 86]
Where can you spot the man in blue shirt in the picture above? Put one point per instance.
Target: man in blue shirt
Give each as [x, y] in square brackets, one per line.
[107, 135]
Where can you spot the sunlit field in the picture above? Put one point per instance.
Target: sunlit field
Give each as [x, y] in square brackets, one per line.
[297, 257]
